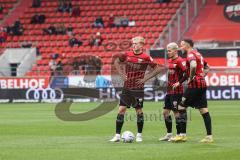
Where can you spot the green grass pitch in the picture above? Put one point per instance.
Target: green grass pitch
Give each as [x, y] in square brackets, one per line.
[33, 132]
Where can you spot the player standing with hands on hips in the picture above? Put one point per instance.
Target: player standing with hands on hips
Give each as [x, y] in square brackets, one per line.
[132, 66]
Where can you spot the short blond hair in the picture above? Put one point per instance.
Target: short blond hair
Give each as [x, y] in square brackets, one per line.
[138, 39]
[172, 46]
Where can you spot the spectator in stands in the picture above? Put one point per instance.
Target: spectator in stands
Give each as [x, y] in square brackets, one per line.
[52, 65]
[56, 53]
[111, 21]
[75, 65]
[98, 22]
[69, 7]
[98, 65]
[51, 30]
[35, 19]
[70, 30]
[17, 28]
[35, 45]
[59, 68]
[26, 44]
[3, 34]
[75, 12]
[36, 3]
[117, 21]
[74, 41]
[96, 40]
[61, 2]
[42, 18]
[38, 19]
[62, 7]
[91, 40]
[163, 1]
[61, 29]
[1, 9]
[124, 21]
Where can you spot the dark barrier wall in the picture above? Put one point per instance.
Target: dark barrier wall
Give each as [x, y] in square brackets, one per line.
[227, 1]
[38, 95]
[204, 52]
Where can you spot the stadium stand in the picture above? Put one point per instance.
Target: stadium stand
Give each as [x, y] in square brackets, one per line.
[6, 5]
[212, 25]
[149, 18]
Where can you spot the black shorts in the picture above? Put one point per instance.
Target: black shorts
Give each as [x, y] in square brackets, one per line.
[131, 98]
[171, 101]
[195, 97]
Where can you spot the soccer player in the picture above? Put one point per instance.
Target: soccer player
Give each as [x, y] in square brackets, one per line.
[176, 76]
[135, 63]
[195, 95]
[176, 71]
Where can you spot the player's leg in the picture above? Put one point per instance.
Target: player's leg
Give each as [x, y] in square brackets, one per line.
[140, 119]
[168, 124]
[177, 120]
[176, 115]
[208, 125]
[181, 119]
[203, 109]
[119, 123]
[167, 117]
[124, 103]
[177, 100]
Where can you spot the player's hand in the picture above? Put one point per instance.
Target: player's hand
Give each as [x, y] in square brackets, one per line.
[175, 85]
[140, 81]
[190, 80]
[123, 76]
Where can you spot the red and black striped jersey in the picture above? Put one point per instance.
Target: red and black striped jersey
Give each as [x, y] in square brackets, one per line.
[199, 80]
[135, 68]
[176, 69]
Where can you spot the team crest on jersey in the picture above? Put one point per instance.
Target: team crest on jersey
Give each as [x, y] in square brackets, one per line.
[184, 63]
[140, 60]
[183, 99]
[190, 55]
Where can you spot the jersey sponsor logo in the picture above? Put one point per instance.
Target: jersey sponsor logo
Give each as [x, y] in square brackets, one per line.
[44, 93]
[190, 55]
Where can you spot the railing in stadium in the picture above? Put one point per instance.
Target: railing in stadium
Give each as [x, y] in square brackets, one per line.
[179, 23]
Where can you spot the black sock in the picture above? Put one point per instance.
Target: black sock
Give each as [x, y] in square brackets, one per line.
[207, 122]
[183, 121]
[168, 123]
[119, 123]
[178, 125]
[140, 122]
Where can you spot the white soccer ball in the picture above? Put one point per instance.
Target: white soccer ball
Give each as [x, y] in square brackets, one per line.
[128, 137]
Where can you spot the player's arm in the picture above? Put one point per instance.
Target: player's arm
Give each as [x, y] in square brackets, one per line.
[206, 69]
[156, 70]
[182, 66]
[193, 68]
[118, 59]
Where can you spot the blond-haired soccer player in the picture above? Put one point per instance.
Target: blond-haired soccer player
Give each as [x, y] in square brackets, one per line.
[135, 63]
